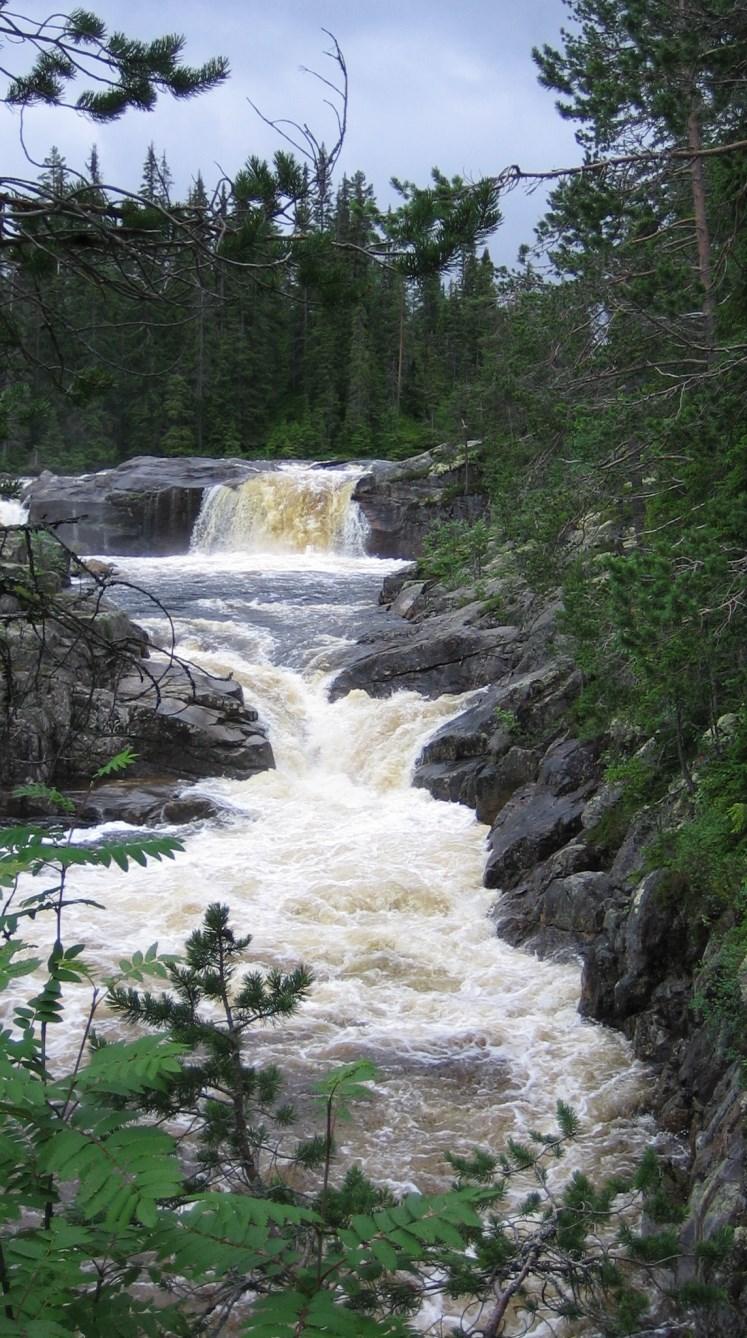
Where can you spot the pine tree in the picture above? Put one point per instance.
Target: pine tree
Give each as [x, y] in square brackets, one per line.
[227, 1099]
[651, 75]
[54, 178]
[93, 167]
[150, 181]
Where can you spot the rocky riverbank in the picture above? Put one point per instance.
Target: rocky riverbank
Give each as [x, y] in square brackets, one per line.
[81, 682]
[568, 855]
[149, 505]
[570, 862]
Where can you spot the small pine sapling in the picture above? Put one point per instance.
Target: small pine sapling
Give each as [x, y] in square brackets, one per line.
[227, 1098]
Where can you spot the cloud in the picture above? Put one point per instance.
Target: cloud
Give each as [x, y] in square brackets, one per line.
[430, 84]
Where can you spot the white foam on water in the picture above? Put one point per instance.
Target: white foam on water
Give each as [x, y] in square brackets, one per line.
[13, 512]
[334, 859]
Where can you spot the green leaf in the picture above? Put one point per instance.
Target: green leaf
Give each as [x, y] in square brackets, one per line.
[386, 1256]
[120, 762]
[46, 793]
[128, 1067]
[115, 1173]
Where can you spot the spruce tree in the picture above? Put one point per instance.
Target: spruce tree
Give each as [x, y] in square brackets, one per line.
[227, 1098]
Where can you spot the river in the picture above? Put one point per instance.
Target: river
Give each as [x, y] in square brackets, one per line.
[334, 860]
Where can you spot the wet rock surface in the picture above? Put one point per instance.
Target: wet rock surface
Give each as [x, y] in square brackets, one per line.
[85, 684]
[145, 805]
[193, 725]
[446, 656]
[146, 506]
[402, 501]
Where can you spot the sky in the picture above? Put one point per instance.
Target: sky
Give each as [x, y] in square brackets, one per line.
[432, 83]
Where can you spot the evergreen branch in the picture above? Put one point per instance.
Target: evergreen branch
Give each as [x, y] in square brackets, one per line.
[512, 175]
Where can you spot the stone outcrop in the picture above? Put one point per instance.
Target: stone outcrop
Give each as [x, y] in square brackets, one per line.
[494, 742]
[194, 724]
[81, 683]
[452, 642]
[145, 506]
[402, 501]
[144, 804]
[447, 655]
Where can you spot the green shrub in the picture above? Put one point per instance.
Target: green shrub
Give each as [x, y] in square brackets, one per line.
[456, 551]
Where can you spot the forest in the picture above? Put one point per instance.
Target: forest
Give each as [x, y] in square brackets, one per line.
[283, 314]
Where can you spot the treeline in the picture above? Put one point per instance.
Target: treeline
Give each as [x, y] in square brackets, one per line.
[263, 348]
[605, 376]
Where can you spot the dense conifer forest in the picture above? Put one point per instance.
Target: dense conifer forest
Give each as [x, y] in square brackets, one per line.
[331, 353]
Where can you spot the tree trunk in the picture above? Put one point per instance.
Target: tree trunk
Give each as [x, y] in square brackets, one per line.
[401, 350]
[702, 234]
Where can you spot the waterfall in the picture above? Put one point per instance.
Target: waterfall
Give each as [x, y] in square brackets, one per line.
[295, 509]
[12, 512]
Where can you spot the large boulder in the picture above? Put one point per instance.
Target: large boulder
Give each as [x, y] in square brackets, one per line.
[534, 823]
[402, 501]
[174, 716]
[81, 684]
[494, 747]
[145, 506]
[144, 804]
[444, 655]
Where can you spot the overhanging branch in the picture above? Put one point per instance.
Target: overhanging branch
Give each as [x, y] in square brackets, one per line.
[514, 174]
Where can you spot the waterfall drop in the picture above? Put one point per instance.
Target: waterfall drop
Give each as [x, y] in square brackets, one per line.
[13, 512]
[294, 509]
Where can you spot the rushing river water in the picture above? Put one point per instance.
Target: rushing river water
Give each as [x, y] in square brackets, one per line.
[332, 859]
[12, 512]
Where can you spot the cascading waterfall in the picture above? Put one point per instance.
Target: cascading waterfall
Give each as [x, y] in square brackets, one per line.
[335, 860]
[294, 509]
[12, 512]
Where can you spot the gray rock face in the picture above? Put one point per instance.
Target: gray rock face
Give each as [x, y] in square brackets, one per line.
[402, 502]
[144, 805]
[485, 786]
[638, 976]
[145, 506]
[559, 906]
[444, 655]
[193, 724]
[84, 688]
[532, 825]
[567, 766]
[491, 734]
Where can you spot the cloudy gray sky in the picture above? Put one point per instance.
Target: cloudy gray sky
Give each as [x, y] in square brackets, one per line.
[432, 82]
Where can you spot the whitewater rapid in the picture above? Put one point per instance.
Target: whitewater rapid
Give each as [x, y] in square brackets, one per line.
[12, 512]
[335, 860]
